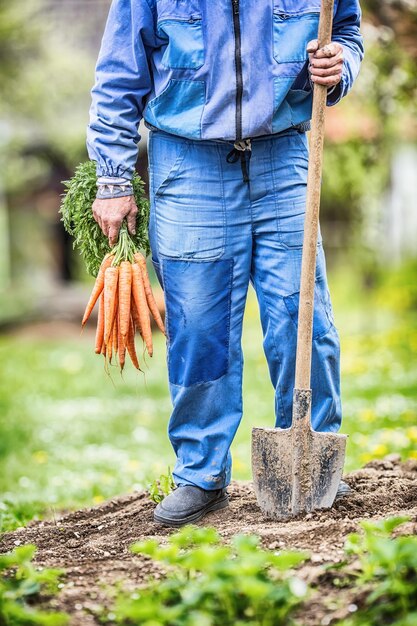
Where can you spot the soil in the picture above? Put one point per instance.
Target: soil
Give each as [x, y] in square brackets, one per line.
[92, 544]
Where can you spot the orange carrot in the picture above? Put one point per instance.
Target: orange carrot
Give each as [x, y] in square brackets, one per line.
[109, 347]
[125, 290]
[111, 276]
[122, 348]
[130, 345]
[139, 296]
[112, 347]
[135, 316]
[100, 324]
[98, 287]
[116, 333]
[141, 261]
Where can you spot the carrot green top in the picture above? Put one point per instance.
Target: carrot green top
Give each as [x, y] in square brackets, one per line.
[80, 193]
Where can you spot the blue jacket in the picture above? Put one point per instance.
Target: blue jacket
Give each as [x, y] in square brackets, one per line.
[208, 69]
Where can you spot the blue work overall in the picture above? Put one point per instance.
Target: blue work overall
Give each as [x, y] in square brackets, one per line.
[211, 233]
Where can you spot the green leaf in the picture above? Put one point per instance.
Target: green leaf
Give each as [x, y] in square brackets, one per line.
[21, 581]
[384, 527]
[145, 547]
[288, 559]
[25, 553]
[190, 536]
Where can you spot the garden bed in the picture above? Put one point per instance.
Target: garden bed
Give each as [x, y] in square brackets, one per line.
[92, 544]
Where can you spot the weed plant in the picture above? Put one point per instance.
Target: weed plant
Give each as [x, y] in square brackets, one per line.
[22, 584]
[387, 574]
[212, 584]
[161, 487]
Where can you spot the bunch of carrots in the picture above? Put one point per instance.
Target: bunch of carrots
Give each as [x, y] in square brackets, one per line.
[125, 297]
[122, 286]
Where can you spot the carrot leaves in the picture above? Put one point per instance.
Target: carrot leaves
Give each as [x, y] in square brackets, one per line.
[77, 216]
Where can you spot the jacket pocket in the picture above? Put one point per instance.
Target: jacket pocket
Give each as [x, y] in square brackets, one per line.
[291, 106]
[166, 110]
[184, 42]
[291, 34]
[301, 102]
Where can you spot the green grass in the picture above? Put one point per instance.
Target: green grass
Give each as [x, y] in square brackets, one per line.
[70, 436]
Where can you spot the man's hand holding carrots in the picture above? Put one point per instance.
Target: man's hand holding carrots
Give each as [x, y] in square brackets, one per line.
[109, 214]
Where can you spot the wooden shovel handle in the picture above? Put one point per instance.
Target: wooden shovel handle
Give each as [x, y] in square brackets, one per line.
[308, 264]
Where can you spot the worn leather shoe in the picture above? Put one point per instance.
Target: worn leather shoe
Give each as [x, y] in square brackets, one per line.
[188, 504]
[343, 490]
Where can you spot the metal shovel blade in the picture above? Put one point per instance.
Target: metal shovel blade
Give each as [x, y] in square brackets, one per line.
[296, 470]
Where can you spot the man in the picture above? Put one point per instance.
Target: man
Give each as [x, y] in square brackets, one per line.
[226, 88]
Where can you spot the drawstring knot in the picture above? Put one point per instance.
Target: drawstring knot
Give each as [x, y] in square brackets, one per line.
[240, 149]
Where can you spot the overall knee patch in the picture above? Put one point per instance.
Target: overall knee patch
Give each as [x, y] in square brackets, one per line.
[198, 301]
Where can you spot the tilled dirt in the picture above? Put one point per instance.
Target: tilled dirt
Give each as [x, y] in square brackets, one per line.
[92, 545]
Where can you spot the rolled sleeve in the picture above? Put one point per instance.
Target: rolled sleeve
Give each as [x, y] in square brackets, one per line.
[346, 31]
[122, 83]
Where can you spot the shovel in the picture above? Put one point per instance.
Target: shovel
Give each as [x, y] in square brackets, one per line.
[297, 470]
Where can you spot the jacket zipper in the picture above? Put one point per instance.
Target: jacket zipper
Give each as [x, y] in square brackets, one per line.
[238, 65]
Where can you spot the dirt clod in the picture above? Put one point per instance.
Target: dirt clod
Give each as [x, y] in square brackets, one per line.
[92, 544]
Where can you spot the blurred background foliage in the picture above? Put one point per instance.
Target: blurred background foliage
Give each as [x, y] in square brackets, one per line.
[67, 437]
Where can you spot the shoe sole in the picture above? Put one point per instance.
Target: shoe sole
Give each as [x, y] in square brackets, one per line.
[343, 494]
[223, 503]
